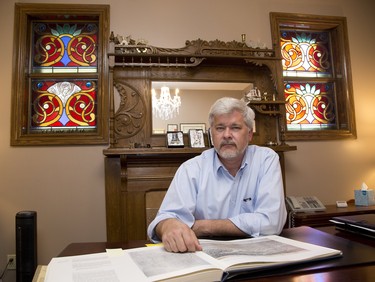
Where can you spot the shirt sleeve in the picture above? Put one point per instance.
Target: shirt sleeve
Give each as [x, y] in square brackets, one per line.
[178, 203]
[269, 213]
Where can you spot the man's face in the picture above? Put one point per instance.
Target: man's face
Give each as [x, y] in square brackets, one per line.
[230, 135]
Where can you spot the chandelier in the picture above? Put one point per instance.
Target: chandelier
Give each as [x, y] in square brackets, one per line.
[165, 107]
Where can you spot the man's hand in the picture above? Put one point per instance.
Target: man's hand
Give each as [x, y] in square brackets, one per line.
[177, 236]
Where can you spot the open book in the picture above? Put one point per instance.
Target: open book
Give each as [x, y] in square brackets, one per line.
[218, 261]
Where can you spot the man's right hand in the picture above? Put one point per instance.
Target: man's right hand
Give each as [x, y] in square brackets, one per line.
[177, 236]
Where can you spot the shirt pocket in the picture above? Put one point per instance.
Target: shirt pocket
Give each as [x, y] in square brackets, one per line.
[247, 205]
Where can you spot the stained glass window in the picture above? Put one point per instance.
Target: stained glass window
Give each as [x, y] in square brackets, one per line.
[316, 73]
[60, 74]
[59, 48]
[68, 105]
[305, 54]
[309, 106]
[65, 47]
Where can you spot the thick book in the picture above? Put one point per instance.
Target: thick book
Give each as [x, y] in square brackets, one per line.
[219, 260]
[363, 224]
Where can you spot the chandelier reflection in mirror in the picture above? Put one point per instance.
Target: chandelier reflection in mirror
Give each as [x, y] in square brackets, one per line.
[165, 107]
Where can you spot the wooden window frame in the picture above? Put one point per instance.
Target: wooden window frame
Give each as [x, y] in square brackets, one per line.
[342, 78]
[20, 133]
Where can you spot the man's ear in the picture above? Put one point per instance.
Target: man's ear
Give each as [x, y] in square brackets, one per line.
[251, 133]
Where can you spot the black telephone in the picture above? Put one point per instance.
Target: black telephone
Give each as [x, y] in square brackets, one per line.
[304, 204]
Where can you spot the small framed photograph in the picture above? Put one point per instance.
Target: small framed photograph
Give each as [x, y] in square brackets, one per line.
[175, 139]
[196, 138]
[172, 127]
[185, 127]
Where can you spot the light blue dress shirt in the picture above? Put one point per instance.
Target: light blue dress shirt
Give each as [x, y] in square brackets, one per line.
[202, 188]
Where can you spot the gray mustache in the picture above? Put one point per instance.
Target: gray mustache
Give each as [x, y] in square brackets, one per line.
[227, 143]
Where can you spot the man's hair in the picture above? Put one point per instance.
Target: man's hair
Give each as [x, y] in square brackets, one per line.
[227, 105]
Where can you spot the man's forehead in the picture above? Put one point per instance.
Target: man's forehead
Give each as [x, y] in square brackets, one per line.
[232, 118]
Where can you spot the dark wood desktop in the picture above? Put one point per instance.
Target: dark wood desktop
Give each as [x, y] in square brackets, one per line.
[356, 264]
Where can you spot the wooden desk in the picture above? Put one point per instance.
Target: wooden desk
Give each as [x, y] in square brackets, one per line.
[357, 263]
[348, 235]
[359, 273]
[321, 218]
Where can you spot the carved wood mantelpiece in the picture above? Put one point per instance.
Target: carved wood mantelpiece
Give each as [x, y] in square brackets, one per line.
[193, 54]
[134, 67]
[133, 174]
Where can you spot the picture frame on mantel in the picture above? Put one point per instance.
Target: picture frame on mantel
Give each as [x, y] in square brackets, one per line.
[175, 139]
[172, 127]
[185, 127]
[196, 138]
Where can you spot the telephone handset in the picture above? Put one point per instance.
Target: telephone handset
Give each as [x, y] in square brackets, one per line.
[304, 204]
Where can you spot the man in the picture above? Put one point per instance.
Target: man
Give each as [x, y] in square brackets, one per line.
[231, 190]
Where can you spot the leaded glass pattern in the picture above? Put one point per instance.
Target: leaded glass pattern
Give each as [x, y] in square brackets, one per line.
[63, 105]
[60, 74]
[315, 66]
[305, 53]
[64, 47]
[310, 106]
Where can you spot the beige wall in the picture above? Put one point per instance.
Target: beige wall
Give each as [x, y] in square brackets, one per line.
[65, 185]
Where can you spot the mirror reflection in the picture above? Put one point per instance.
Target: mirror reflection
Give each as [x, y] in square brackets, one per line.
[188, 103]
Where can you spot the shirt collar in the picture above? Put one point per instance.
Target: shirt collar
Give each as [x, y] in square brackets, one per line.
[218, 164]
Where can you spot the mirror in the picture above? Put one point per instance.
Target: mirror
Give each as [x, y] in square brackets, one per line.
[196, 99]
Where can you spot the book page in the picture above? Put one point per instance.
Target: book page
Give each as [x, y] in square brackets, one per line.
[158, 264]
[93, 267]
[253, 252]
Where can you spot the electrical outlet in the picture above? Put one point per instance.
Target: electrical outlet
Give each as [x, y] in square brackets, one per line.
[11, 265]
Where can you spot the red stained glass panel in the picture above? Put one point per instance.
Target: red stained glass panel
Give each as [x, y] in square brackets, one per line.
[306, 53]
[64, 47]
[309, 105]
[68, 105]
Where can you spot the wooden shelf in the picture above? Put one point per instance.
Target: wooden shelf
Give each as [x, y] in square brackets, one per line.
[267, 107]
[171, 151]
